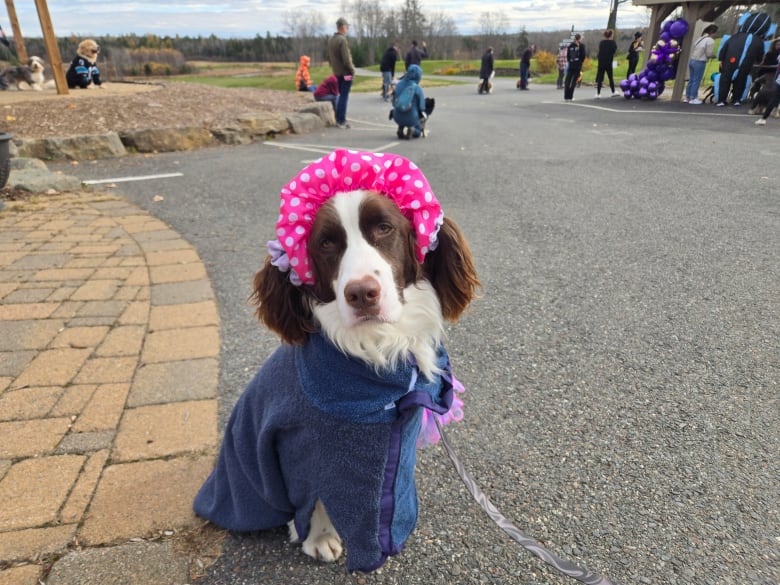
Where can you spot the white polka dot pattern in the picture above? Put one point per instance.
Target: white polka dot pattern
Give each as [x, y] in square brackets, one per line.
[348, 170]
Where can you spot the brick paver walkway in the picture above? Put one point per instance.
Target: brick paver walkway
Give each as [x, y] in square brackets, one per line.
[109, 347]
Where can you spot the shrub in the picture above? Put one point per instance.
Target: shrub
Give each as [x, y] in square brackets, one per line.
[546, 62]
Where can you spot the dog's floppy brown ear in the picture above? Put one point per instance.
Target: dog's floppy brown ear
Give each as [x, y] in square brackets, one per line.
[282, 306]
[450, 269]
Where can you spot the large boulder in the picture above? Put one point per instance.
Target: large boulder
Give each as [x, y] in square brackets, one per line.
[322, 109]
[303, 123]
[78, 147]
[263, 123]
[167, 139]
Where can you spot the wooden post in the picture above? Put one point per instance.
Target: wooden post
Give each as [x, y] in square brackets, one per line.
[52, 49]
[21, 52]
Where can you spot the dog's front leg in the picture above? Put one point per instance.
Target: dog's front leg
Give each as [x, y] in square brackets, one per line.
[323, 542]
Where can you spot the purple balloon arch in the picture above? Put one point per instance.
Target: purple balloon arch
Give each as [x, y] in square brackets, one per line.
[661, 65]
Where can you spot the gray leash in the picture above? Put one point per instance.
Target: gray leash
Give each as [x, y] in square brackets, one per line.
[561, 565]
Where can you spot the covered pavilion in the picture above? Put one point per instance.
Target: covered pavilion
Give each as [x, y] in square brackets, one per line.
[693, 11]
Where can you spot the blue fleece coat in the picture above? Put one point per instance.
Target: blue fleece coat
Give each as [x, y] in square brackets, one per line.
[317, 424]
[412, 117]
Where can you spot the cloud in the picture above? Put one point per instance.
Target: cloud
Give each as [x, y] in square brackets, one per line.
[248, 18]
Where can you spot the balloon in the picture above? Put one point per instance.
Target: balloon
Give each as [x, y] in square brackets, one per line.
[678, 28]
[674, 44]
[627, 95]
[652, 87]
[652, 95]
[642, 92]
[651, 75]
[624, 84]
[643, 82]
[634, 84]
[632, 77]
[664, 38]
[666, 26]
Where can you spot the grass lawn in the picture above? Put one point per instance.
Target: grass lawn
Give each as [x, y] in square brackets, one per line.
[281, 76]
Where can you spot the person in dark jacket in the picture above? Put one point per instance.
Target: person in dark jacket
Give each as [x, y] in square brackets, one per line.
[387, 67]
[575, 56]
[636, 47]
[607, 50]
[416, 54]
[486, 72]
[340, 58]
[525, 65]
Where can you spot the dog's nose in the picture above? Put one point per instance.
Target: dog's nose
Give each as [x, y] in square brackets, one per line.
[363, 294]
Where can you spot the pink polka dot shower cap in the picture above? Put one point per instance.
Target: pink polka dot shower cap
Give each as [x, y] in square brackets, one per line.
[343, 171]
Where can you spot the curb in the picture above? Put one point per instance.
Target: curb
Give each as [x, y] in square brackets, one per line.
[245, 129]
[108, 393]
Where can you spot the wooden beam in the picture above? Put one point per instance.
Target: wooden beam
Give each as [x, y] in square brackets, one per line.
[692, 13]
[21, 51]
[52, 49]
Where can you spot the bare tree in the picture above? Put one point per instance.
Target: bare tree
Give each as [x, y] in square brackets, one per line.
[367, 23]
[443, 30]
[613, 8]
[493, 24]
[413, 21]
[306, 29]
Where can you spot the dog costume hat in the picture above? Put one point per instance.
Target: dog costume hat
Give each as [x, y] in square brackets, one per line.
[316, 424]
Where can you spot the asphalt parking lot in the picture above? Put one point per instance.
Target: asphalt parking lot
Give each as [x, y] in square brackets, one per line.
[621, 365]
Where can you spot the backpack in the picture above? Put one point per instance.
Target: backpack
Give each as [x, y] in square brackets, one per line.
[404, 100]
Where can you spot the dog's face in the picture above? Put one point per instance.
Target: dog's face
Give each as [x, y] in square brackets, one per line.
[362, 251]
[36, 64]
[89, 50]
[366, 257]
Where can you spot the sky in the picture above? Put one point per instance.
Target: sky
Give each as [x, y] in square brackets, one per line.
[247, 18]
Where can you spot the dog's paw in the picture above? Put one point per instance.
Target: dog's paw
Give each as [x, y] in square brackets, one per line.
[323, 547]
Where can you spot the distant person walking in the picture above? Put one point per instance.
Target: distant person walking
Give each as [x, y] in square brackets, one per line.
[486, 71]
[634, 49]
[387, 67]
[606, 55]
[341, 63]
[561, 64]
[525, 65]
[415, 54]
[702, 51]
[575, 55]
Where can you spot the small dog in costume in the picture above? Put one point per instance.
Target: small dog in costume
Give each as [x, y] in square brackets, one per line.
[364, 272]
[83, 71]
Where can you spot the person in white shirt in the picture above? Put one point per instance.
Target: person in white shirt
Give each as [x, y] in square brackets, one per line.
[703, 49]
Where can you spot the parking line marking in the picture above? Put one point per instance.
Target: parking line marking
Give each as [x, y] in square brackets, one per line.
[136, 178]
[664, 113]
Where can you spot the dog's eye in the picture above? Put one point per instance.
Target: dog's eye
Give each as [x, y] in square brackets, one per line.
[384, 228]
[326, 244]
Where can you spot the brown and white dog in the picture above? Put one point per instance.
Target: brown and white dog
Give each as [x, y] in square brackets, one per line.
[371, 298]
[28, 76]
[359, 284]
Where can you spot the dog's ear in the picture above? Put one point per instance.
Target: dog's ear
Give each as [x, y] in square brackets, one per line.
[450, 269]
[282, 306]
